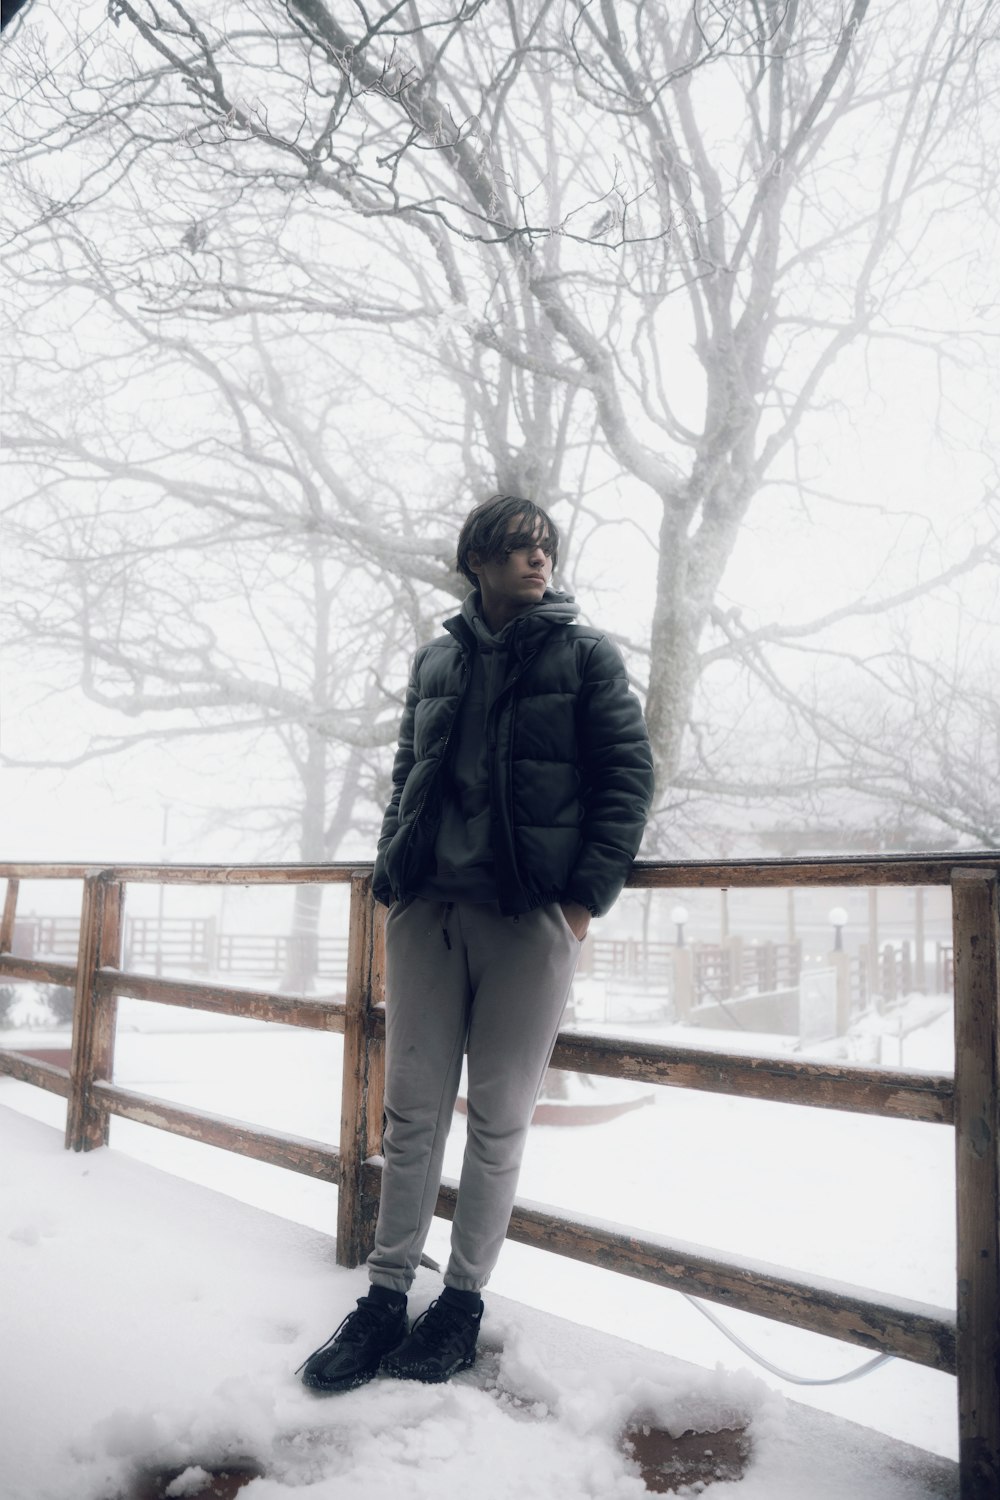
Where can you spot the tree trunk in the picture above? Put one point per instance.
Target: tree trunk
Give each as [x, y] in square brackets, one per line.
[674, 637]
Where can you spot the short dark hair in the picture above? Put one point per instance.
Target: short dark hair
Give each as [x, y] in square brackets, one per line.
[485, 531]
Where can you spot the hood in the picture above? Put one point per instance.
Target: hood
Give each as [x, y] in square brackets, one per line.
[468, 626]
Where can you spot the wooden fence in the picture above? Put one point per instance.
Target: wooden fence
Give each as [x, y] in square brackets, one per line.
[194, 944]
[719, 971]
[967, 1345]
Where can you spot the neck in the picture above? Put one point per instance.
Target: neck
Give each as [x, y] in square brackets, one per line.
[497, 613]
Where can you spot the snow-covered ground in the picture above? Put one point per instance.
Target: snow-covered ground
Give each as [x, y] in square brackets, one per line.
[848, 1197]
[149, 1323]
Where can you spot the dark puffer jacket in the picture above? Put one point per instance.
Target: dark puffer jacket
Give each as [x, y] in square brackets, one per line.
[570, 765]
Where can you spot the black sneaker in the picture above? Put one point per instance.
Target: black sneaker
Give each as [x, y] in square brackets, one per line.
[441, 1342]
[352, 1353]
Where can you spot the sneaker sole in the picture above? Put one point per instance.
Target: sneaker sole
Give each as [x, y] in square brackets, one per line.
[337, 1387]
[437, 1378]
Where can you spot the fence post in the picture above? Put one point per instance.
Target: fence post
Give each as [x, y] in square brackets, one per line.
[94, 1015]
[735, 946]
[905, 969]
[211, 944]
[919, 942]
[864, 978]
[840, 962]
[683, 983]
[873, 942]
[9, 914]
[364, 1074]
[890, 977]
[977, 1148]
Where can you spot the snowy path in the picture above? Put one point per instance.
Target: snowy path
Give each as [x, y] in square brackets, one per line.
[150, 1320]
[847, 1197]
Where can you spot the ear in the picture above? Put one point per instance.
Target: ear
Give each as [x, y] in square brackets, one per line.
[475, 562]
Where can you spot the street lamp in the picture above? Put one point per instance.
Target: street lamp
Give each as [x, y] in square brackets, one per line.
[679, 915]
[838, 917]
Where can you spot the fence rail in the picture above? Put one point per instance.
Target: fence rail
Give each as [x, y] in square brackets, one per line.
[967, 1345]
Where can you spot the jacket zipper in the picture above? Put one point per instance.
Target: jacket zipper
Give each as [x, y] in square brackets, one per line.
[505, 824]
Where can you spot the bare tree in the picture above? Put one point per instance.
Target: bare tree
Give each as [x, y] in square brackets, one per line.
[941, 763]
[918, 737]
[621, 245]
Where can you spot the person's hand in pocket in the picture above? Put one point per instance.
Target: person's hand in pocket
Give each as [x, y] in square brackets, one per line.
[577, 918]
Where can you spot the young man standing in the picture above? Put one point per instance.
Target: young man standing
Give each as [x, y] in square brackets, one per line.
[521, 787]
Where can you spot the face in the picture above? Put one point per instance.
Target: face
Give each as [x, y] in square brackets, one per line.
[517, 581]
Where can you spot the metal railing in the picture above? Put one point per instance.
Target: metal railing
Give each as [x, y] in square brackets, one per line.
[967, 1345]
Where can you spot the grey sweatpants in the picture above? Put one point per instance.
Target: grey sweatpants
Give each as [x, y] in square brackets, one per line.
[498, 991]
